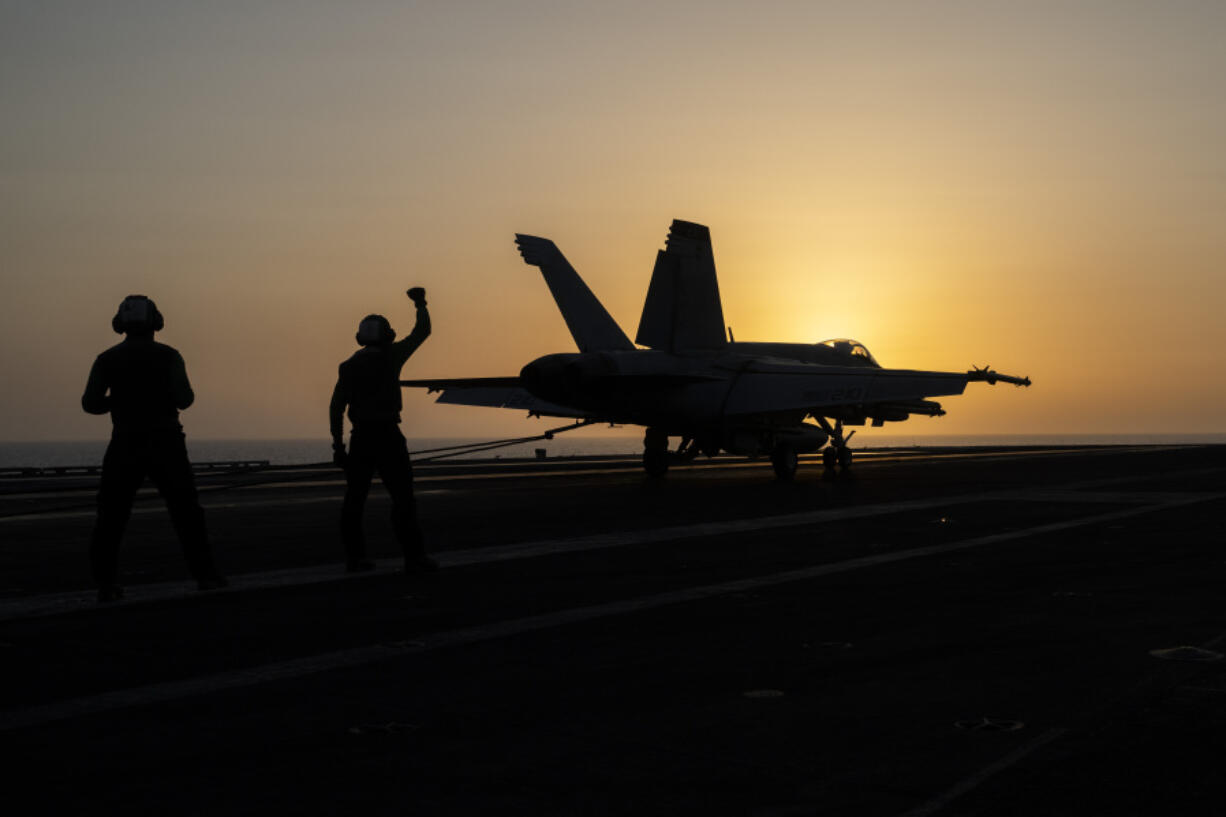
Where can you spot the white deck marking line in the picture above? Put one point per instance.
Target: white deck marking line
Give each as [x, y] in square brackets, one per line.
[974, 781]
[1100, 497]
[47, 604]
[422, 473]
[863, 456]
[883, 457]
[1057, 493]
[1022, 752]
[631, 464]
[327, 481]
[422, 643]
[82, 513]
[73, 601]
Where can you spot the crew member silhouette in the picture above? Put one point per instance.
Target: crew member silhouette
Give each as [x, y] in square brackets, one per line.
[369, 384]
[143, 385]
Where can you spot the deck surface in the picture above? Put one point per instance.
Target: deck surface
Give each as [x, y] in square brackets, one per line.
[947, 632]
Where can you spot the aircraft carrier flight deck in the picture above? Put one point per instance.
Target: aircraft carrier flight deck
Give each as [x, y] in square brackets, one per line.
[938, 632]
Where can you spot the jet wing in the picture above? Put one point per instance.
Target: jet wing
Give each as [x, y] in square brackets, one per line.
[767, 388]
[492, 392]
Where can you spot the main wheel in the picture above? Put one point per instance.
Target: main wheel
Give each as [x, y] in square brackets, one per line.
[655, 453]
[784, 461]
[655, 462]
[830, 457]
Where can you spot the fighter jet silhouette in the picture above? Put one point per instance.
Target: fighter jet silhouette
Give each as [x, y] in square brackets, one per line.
[693, 382]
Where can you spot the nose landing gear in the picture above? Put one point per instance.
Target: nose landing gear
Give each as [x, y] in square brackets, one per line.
[836, 453]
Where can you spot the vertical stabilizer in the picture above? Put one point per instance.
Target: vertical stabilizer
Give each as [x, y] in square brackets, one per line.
[683, 311]
[590, 324]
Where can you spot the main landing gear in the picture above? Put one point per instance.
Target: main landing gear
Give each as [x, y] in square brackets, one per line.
[657, 458]
[655, 453]
[784, 457]
[784, 460]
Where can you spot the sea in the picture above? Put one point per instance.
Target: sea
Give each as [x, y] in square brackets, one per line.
[86, 453]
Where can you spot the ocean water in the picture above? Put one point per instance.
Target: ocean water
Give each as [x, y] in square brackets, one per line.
[305, 451]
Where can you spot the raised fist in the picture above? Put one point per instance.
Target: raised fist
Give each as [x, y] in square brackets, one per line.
[418, 295]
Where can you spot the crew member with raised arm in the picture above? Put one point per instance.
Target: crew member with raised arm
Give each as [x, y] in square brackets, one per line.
[143, 385]
[369, 385]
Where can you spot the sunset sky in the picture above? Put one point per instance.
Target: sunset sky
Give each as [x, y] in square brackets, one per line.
[1039, 186]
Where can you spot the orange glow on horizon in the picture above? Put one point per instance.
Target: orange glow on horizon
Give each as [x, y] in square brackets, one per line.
[1039, 190]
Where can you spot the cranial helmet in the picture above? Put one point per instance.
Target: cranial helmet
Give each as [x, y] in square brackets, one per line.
[374, 330]
[139, 313]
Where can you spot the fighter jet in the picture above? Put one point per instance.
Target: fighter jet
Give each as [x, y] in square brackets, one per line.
[693, 382]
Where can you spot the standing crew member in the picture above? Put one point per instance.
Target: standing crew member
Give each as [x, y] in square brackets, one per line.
[369, 384]
[143, 385]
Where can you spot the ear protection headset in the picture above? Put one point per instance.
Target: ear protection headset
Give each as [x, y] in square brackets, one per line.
[137, 312]
[374, 330]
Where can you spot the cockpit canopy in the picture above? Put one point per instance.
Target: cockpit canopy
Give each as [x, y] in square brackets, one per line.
[853, 350]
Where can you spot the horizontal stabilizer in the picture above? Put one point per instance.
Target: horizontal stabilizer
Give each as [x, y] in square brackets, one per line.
[590, 324]
[682, 311]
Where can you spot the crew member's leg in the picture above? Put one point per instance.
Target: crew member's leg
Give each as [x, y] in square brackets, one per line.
[122, 473]
[359, 468]
[171, 473]
[396, 471]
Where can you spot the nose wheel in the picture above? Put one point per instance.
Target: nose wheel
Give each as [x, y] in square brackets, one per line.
[836, 454]
[839, 457]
